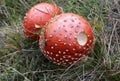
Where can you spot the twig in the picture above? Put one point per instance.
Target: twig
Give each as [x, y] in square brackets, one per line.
[26, 79]
[109, 45]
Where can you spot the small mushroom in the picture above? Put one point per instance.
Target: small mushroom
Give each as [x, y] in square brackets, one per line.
[37, 17]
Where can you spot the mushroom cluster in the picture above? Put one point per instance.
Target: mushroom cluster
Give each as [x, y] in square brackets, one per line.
[66, 39]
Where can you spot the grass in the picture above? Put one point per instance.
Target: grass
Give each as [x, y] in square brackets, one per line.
[21, 59]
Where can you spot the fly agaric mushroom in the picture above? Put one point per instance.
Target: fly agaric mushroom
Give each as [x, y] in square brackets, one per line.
[68, 38]
[37, 17]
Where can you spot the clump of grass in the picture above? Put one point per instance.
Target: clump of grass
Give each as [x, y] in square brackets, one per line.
[22, 60]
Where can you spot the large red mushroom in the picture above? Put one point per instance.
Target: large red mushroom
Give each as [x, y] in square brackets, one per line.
[37, 17]
[68, 38]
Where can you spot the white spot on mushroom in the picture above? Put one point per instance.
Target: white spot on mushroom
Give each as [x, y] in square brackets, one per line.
[66, 60]
[48, 52]
[54, 59]
[82, 38]
[87, 44]
[87, 49]
[65, 36]
[79, 54]
[70, 63]
[64, 43]
[74, 42]
[84, 48]
[46, 30]
[64, 56]
[26, 14]
[51, 53]
[46, 55]
[57, 60]
[37, 26]
[59, 52]
[88, 52]
[56, 44]
[25, 18]
[40, 36]
[46, 40]
[44, 51]
[73, 49]
[76, 54]
[70, 37]
[76, 58]
[84, 55]
[74, 61]
[69, 56]
[63, 61]
[70, 44]
[66, 50]
[51, 35]
[88, 35]
[58, 63]
[72, 58]
[52, 47]
[61, 58]
[50, 58]
[57, 55]
[59, 40]
[75, 37]
[90, 41]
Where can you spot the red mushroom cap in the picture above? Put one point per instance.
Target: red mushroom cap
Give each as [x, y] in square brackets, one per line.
[67, 38]
[37, 17]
